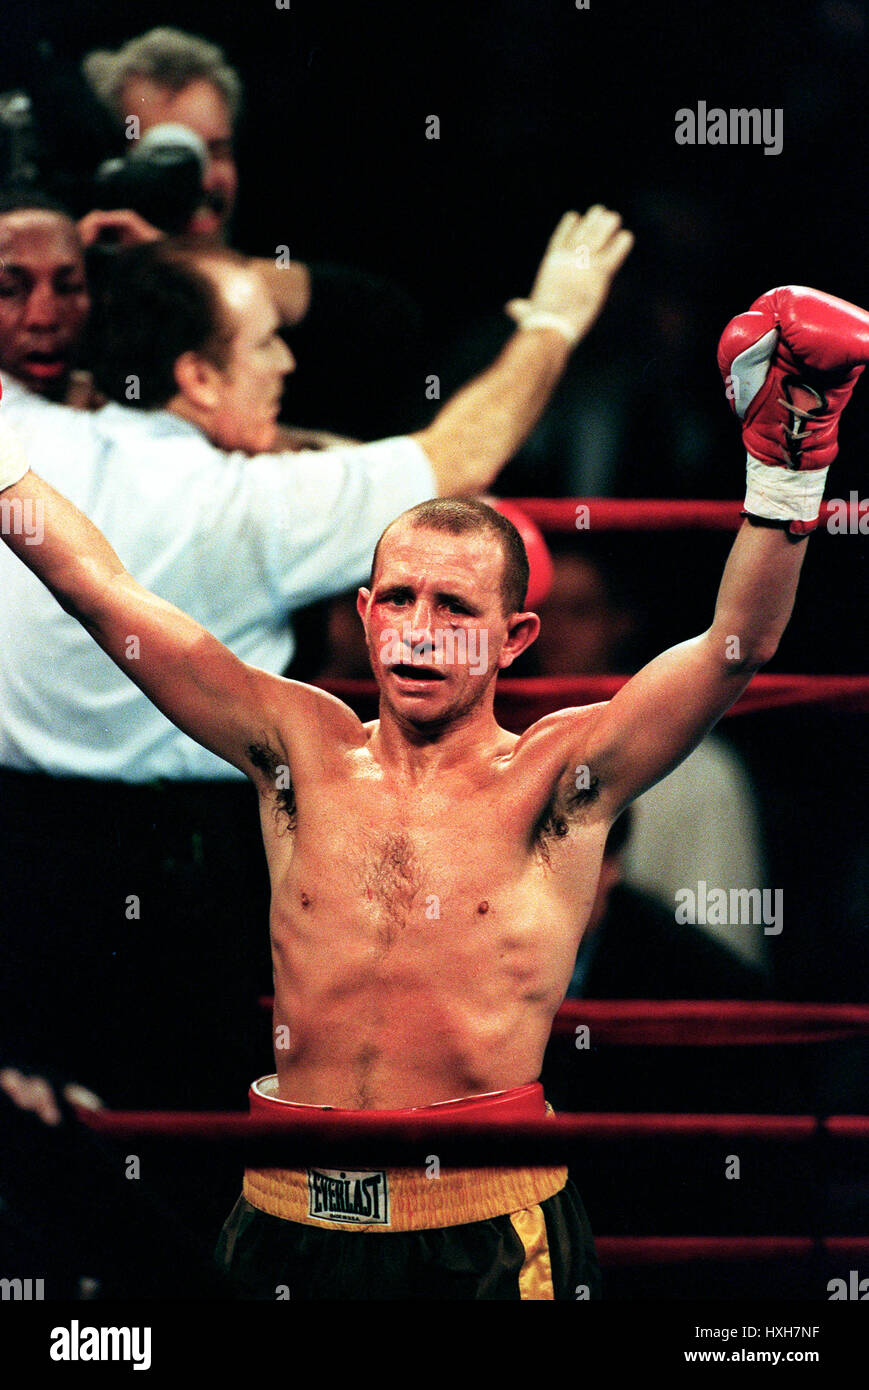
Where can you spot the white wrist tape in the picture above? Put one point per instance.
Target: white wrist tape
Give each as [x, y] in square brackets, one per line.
[783, 494]
[542, 318]
[13, 460]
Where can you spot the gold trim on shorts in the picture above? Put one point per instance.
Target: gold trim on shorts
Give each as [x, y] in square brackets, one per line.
[535, 1276]
[397, 1199]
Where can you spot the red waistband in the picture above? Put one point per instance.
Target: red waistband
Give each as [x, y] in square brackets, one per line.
[520, 1103]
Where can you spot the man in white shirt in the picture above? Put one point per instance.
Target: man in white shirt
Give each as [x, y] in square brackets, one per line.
[204, 518]
[192, 342]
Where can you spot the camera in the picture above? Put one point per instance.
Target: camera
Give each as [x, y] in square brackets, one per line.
[161, 177]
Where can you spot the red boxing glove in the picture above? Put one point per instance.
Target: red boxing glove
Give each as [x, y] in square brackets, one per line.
[790, 364]
[540, 567]
[13, 464]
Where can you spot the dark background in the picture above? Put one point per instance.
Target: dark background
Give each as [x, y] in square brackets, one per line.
[542, 106]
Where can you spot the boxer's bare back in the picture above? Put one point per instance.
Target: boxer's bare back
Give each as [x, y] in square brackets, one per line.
[425, 913]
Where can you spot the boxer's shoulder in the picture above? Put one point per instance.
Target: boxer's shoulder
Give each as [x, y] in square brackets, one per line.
[559, 734]
[560, 791]
[301, 725]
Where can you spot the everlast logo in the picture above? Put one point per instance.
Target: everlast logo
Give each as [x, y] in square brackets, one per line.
[360, 1199]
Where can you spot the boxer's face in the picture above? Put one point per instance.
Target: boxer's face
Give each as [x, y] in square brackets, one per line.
[247, 399]
[202, 108]
[44, 301]
[435, 625]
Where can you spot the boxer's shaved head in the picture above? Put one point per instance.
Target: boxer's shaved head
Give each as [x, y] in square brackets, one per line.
[460, 517]
[445, 610]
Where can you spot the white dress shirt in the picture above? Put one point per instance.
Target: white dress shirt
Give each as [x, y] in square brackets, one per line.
[236, 542]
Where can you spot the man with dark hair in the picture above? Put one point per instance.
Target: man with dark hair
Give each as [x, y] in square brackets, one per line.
[44, 300]
[14, 199]
[159, 302]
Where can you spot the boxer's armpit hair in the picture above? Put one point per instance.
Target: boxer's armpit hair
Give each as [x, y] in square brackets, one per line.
[561, 810]
[579, 797]
[265, 759]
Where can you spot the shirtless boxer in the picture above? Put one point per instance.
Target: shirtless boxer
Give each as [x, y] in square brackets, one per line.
[431, 873]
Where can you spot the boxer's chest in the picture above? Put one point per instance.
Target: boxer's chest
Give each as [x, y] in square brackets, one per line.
[398, 856]
[398, 848]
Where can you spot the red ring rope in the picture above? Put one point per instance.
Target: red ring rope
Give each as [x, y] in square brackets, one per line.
[364, 1137]
[519, 703]
[625, 1251]
[701, 1023]
[695, 1023]
[561, 514]
[848, 1127]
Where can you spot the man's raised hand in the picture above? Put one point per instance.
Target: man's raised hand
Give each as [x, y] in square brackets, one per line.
[125, 228]
[573, 280]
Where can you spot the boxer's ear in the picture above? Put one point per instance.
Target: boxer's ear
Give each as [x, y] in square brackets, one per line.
[522, 630]
[362, 603]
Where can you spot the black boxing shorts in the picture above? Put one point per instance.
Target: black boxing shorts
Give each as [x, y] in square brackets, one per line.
[404, 1233]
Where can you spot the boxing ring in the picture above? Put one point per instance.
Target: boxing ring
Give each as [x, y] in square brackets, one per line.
[820, 1140]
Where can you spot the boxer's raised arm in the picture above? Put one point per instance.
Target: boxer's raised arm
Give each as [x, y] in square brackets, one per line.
[481, 427]
[188, 674]
[790, 364]
[663, 712]
[289, 286]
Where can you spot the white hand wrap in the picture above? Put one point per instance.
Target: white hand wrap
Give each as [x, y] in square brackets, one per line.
[542, 318]
[782, 494]
[13, 460]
